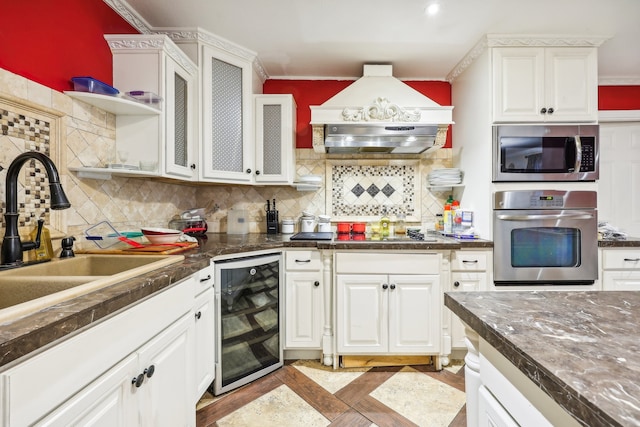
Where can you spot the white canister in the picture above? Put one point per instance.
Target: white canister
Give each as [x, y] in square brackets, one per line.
[324, 227]
[288, 225]
[307, 225]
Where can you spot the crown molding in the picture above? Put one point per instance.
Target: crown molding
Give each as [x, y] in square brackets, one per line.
[129, 14]
[199, 35]
[151, 42]
[522, 40]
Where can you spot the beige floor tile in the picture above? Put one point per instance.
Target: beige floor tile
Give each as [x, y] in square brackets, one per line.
[330, 379]
[280, 407]
[400, 391]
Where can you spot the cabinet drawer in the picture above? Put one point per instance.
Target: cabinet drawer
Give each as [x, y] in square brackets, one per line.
[303, 260]
[397, 263]
[204, 279]
[469, 261]
[618, 259]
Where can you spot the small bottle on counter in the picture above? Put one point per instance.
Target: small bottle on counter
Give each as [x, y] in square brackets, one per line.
[447, 219]
[384, 224]
[401, 228]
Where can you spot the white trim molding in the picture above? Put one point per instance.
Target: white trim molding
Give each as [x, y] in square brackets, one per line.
[606, 116]
[523, 40]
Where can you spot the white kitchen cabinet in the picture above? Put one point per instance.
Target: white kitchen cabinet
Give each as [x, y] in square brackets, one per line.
[469, 272]
[491, 413]
[303, 294]
[396, 313]
[275, 139]
[153, 63]
[204, 354]
[545, 84]
[620, 269]
[92, 383]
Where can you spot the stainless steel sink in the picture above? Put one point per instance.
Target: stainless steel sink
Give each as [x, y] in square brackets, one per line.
[26, 290]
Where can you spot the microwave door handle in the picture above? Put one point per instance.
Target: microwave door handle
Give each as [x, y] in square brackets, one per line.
[537, 217]
[578, 154]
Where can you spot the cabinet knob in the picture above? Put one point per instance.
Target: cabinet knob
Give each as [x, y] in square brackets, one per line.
[248, 170]
[149, 371]
[456, 284]
[543, 111]
[316, 283]
[392, 286]
[137, 381]
[193, 166]
[550, 110]
[198, 315]
[385, 286]
[257, 172]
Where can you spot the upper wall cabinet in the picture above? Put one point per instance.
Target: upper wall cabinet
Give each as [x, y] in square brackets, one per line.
[275, 137]
[236, 147]
[545, 84]
[153, 63]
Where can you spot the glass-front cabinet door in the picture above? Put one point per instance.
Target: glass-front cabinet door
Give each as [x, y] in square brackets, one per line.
[227, 148]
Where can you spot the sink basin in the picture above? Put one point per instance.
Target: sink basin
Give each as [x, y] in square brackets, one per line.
[26, 290]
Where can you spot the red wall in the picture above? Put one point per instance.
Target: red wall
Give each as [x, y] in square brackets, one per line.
[619, 98]
[316, 92]
[51, 41]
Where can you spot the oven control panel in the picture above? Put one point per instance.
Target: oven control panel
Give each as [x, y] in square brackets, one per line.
[546, 202]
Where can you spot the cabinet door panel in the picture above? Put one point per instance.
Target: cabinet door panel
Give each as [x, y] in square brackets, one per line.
[303, 310]
[414, 314]
[621, 281]
[275, 138]
[518, 81]
[205, 329]
[107, 402]
[227, 136]
[361, 314]
[180, 115]
[571, 86]
[166, 397]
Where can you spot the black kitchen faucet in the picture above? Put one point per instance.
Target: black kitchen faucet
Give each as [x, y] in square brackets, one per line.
[12, 247]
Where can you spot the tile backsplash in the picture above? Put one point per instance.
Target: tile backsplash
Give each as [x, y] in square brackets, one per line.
[84, 135]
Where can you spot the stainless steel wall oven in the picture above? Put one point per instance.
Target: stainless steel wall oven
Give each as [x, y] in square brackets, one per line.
[248, 321]
[545, 237]
[543, 152]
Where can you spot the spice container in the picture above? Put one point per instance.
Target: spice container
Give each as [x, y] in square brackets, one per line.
[401, 227]
[288, 225]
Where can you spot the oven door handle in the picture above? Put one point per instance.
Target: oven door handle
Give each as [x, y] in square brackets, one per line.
[576, 167]
[530, 217]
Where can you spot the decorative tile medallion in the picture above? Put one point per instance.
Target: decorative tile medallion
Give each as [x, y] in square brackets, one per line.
[20, 133]
[363, 191]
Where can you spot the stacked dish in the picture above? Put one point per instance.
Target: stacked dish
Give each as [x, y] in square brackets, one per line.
[444, 177]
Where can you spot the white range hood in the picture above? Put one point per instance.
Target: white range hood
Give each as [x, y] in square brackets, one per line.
[379, 114]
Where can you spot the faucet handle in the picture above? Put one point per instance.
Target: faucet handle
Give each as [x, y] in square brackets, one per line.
[67, 247]
[27, 246]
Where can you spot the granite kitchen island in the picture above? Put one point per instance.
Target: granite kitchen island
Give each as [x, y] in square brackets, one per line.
[551, 357]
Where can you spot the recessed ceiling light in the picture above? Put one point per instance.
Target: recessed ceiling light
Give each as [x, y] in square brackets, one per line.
[432, 9]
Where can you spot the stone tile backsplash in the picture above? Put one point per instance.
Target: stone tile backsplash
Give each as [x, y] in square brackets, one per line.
[84, 135]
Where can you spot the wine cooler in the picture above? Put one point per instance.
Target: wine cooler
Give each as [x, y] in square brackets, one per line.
[249, 344]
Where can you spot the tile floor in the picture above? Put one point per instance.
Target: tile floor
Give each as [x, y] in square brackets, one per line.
[305, 393]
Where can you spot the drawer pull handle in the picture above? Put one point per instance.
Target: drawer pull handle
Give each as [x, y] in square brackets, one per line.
[303, 261]
[632, 259]
[204, 279]
[469, 261]
[198, 315]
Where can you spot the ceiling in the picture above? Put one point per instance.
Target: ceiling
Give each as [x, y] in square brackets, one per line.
[334, 38]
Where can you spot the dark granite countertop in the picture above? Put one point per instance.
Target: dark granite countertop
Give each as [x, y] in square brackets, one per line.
[30, 333]
[629, 242]
[581, 348]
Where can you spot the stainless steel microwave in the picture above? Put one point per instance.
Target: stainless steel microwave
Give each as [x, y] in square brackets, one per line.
[544, 152]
